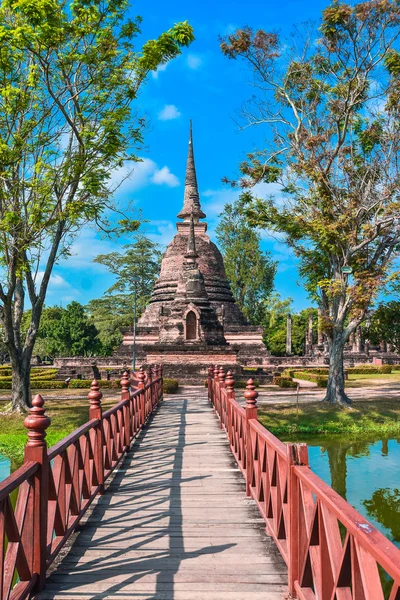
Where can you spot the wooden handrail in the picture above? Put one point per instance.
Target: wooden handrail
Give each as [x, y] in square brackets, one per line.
[57, 485]
[303, 514]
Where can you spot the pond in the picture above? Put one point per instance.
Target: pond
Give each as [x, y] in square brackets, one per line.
[5, 467]
[366, 474]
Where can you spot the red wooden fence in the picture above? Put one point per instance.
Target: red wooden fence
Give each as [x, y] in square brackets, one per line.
[332, 551]
[55, 486]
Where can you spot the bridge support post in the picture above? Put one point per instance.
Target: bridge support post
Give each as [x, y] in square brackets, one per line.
[215, 388]
[36, 450]
[221, 385]
[210, 384]
[96, 412]
[230, 395]
[251, 413]
[297, 454]
[125, 395]
[141, 384]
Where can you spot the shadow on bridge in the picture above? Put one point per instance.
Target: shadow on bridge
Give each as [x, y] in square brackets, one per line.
[135, 542]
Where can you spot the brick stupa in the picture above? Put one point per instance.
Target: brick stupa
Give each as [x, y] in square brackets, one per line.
[192, 319]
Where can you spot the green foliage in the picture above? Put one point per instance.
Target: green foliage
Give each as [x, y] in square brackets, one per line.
[320, 380]
[250, 271]
[275, 326]
[327, 103]
[170, 386]
[86, 383]
[67, 332]
[385, 324]
[140, 260]
[369, 369]
[69, 74]
[284, 382]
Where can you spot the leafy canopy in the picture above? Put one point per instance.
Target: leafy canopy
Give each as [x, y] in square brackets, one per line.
[250, 271]
[328, 100]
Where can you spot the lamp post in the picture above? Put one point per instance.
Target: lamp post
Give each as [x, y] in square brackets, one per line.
[135, 282]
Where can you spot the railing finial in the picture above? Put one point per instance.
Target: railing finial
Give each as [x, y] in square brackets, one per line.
[141, 376]
[250, 394]
[216, 371]
[221, 375]
[95, 395]
[125, 382]
[36, 423]
[229, 381]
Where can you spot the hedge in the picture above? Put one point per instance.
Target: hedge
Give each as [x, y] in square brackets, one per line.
[320, 380]
[87, 383]
[284, 382]
[241, 384]
[170, 386]
[367, 370]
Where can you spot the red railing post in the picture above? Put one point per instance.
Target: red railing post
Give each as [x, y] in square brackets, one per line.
[297, 454]
[125, 395]
[221, 385]
[149, 391]
[230, 395]
[251, 413]
[215, 388]
[96, 412]
[210, 384]
[36, 450]
[141, 385]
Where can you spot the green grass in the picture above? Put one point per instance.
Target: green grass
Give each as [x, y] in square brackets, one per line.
[381, 418]
[65, 415]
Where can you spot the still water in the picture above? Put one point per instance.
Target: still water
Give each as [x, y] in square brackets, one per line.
[366, 474]
[5, 467]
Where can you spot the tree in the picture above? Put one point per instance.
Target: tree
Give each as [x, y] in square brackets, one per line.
[385, 324]
[140, 261]
[250, 271]
[69, 74]
[277, 311]
[329, 103]
[65, 331]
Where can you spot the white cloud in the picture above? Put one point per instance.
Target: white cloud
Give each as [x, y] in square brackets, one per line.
[160, 69]
[216, 200]
[164, 176]
[56, 281]
[194, 61]
[168, 113]
[162, 231]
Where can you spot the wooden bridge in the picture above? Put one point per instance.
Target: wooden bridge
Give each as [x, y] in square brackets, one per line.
[186, 498]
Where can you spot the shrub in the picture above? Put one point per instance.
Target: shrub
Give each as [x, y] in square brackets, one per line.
[387, 369]
[170, 386]
[85, 384]
[47, 384]
[287, 383]
[5, 385]
[364, 370]
[320, 380]
[242, 384]
[276, 379]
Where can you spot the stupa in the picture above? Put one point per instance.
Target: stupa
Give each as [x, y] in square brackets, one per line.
[192, 318]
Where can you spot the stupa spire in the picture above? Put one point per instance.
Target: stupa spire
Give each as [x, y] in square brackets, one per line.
[191, 199]
[191, 252]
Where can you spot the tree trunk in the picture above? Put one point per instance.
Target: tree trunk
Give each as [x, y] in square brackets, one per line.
[21, 387]
[335, 393]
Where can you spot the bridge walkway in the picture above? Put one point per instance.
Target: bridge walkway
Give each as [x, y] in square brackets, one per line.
[175, 523]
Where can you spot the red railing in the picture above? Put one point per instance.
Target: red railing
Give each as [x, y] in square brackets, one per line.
[56, 486]
[332, 551]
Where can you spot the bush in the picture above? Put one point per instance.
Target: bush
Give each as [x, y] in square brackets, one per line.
[387, 369]
[287, 383]
[170, 386]
[276, 379]
[5, 385]
[364, 370]
[320, 380]
[47, 384]
[85, 384]
[242, 384]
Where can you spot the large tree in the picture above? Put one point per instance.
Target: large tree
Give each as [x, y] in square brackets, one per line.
[249, 269]
[329, 103]
[69, 74]
[134, 269]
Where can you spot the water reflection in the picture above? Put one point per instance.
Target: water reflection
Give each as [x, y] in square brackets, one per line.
[366, 474]
[5, 467]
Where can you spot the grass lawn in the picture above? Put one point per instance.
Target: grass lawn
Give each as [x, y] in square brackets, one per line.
[381, 418]
[66, 415]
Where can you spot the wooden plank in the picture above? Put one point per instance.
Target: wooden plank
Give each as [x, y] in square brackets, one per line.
[174, 522]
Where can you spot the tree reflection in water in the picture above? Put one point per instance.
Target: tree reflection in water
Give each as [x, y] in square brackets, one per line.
[384, 506]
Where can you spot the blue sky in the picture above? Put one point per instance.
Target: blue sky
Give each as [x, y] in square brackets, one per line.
[204, 86]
